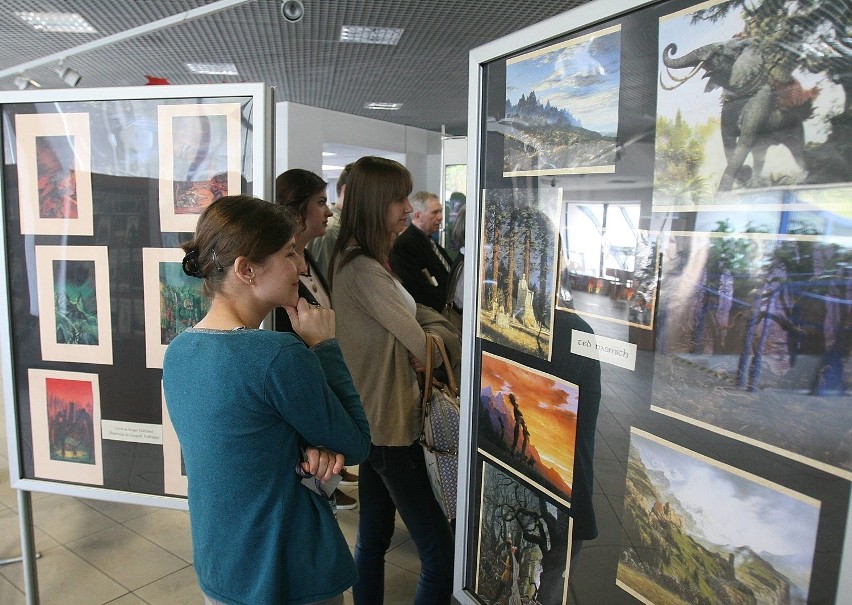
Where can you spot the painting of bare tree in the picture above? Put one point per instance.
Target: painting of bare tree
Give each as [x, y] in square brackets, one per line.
[524, 543]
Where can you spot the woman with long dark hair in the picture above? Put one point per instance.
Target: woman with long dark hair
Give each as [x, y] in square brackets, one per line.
[304, 194]
[385, 346]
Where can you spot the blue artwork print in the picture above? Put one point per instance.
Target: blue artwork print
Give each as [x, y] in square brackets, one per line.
[561, 114]
[182, 302]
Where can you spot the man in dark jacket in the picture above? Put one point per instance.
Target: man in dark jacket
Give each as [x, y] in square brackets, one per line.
[421, 264]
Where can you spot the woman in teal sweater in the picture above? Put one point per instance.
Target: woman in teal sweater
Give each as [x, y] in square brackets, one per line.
[247, 402]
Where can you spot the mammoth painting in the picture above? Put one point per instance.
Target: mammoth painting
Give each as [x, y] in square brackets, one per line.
[752, 95]
[756, 111]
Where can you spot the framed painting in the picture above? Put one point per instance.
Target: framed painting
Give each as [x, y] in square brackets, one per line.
[173, 301]
[199, 160]
[562, 107]
[700, 531]
[54, 173]
[752, 340]
[528, 421]
[65, 408]
[749, 99]
[519, 263]
[174, 470]
[75, 320]
[524, 542]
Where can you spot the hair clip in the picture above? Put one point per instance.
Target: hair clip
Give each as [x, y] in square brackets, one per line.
[216, 261]
[190, 264]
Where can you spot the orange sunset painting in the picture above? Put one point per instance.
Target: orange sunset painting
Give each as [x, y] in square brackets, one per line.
[528, 420]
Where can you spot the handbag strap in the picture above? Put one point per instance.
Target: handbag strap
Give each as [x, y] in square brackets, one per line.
[435, 343]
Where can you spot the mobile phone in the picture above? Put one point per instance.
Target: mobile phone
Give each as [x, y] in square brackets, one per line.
[323, 488]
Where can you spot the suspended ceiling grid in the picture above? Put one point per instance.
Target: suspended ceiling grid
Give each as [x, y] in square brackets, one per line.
[306, 63]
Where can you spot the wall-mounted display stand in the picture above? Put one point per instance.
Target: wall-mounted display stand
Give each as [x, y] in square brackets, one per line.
[656, 375]
[99, 187]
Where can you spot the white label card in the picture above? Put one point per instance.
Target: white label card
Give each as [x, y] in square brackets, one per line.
[607, 350]
[132, 431]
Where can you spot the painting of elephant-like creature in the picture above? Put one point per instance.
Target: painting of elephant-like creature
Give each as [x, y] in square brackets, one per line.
[751, 95]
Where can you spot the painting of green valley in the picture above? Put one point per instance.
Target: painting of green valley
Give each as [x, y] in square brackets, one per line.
[699, 532]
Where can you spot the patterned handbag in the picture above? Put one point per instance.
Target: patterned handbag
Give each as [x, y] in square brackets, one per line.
[440, 433]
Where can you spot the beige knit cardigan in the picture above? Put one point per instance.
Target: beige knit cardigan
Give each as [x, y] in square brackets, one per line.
[376, 330]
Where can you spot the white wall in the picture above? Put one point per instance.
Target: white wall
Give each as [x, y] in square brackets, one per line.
[301, 130]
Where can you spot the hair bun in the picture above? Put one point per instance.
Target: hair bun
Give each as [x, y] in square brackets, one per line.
[190, 264]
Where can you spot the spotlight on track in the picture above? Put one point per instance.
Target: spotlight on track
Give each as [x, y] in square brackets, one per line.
[22, 82]
[70, 76]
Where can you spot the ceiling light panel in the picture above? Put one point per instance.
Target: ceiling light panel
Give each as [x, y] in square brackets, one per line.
[384, 106]
[371, 35]
[216, 69]
[71, 23]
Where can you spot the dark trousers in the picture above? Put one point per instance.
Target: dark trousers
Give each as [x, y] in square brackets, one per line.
[394, 479]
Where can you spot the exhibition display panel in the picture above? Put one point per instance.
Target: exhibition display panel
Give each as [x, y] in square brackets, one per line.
[99, 188]
[658, 308]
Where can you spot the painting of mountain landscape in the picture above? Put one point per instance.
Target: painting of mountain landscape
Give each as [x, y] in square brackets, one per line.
[561, 113]
[528, 421]
[699, 532]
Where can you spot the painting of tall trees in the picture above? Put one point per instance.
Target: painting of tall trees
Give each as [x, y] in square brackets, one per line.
[753, 338]
[519, 267]
[524, 541]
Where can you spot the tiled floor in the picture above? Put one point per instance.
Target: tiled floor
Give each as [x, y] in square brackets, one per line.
[95, 552]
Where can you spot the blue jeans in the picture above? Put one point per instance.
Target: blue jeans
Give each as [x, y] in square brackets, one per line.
[394, 479]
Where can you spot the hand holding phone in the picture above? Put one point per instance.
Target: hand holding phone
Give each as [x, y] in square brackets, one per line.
[323, 488]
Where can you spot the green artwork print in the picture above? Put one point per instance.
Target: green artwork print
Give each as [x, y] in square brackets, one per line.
[75, 302]
[182, 305]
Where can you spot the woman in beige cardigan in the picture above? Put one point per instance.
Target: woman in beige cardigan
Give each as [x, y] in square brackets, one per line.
[384, 347]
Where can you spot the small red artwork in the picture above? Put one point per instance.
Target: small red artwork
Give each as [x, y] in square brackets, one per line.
[57, 181]
[70, 412]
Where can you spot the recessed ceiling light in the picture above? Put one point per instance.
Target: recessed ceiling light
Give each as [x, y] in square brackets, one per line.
[371, 35]
[384, 106]
[330, 167]
[216, 69]
[57, 22]
[328, 154]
